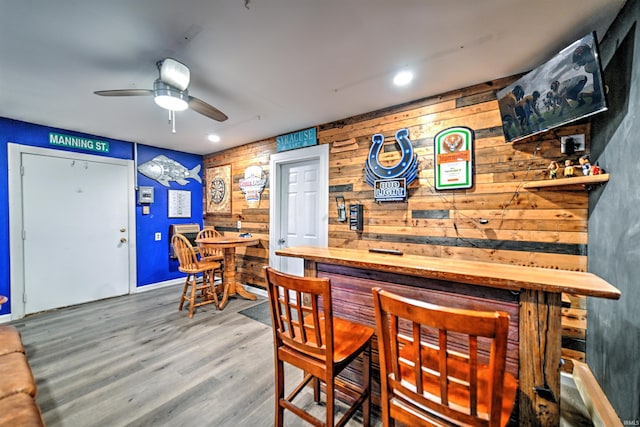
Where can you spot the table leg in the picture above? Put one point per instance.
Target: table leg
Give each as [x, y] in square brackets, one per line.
[229, 285]
[540, 339]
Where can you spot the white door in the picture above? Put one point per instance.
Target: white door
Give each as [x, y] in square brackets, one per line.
[75, 230]
[299, 204]
[299, 210]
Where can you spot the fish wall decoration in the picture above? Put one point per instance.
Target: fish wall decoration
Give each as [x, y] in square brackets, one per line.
[164, 170]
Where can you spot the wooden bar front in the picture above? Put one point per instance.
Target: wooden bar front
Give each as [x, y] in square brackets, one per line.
[531, 296]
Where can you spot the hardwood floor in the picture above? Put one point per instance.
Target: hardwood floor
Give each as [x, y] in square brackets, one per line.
[137, 361]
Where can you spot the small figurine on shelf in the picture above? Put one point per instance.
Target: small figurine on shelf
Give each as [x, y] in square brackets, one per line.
[586, 165]
[553, 169]
[568, 168]
[595, 170]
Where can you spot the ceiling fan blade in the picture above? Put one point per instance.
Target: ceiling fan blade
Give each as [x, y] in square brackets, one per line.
[205, 109]
[125, 92]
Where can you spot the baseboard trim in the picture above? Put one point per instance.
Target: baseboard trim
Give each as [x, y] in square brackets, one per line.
[159, 285]
[258, 291]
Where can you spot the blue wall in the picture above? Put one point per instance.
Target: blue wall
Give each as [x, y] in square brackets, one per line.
[152, 257]
[154, 264]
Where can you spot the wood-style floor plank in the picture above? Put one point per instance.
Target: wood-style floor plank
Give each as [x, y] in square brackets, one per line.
[137, 361]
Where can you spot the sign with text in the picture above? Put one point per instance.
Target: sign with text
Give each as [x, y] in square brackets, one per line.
[291, 141]
[71, 141]
[453, 149]
[390, 190]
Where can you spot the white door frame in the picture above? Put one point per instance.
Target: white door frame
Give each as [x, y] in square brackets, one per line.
[276, 161]
[16, 244]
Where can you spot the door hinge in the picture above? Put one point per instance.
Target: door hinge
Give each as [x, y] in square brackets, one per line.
[24, 234]
[21, 170]
[24, 297]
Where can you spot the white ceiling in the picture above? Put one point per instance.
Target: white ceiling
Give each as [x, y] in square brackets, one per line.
[275, 67]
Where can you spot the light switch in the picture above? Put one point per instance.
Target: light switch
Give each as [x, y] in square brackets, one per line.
[158, 236]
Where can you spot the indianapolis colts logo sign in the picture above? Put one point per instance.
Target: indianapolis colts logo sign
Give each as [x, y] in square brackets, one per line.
[407, 166]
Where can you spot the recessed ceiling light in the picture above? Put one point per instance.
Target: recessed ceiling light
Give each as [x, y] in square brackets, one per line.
[403, 78]
[213, 138]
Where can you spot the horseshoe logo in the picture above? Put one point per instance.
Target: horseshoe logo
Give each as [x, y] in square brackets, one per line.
[406, 167]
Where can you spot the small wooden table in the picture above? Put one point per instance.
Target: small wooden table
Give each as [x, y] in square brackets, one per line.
[229, 245]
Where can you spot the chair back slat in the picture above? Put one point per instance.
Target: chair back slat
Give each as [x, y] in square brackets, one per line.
[442, 367]
[301, 307]
[473, 375]
[420, 368]
[417, 368]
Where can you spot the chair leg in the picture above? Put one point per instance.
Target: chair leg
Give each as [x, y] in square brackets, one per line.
[330, 390]
[315, 384]
[366, 378]
[194, 285]
[184, 293]
[212, 287]
[279, 410]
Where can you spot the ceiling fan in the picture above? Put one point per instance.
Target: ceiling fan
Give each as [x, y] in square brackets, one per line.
[170, 92]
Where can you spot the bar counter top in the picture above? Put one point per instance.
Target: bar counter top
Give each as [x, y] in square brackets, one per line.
[503, 276]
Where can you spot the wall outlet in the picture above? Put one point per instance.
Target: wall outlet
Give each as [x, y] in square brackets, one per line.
[158, 236]
[239, 224]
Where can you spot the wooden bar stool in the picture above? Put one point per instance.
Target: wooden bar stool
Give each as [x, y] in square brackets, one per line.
[209, 253]
[190, 264]
[442, 366]
[308, 336]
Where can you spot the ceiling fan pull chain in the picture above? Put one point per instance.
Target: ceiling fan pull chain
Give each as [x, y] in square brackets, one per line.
[173, 121]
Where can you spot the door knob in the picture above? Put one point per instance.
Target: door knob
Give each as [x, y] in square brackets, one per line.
[123, 240]
[281, 241]
[122, 230]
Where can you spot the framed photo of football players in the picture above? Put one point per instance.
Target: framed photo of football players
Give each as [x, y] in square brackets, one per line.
[218, 189]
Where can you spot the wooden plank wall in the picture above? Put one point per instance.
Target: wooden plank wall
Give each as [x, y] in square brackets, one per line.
[542, 228]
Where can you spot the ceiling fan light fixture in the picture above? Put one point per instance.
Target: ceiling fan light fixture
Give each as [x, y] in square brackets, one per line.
[169, 97]
[174, 73]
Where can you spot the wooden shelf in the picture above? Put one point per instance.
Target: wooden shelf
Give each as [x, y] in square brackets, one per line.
[561, 182]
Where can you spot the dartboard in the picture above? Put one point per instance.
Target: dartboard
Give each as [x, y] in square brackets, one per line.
[217, 190]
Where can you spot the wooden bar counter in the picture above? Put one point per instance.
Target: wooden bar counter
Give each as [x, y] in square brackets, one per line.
[531, 296]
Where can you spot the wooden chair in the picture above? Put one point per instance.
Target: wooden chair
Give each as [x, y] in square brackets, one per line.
[309, 337]
[209, 253]
[431, 372]
[190, 264]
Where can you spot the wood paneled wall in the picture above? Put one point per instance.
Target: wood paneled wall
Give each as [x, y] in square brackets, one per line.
[542, 228]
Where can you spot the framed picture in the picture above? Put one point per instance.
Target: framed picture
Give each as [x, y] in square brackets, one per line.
[218, 189]
[179, 204]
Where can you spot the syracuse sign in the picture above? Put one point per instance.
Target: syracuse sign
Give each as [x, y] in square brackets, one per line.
[303, 138]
